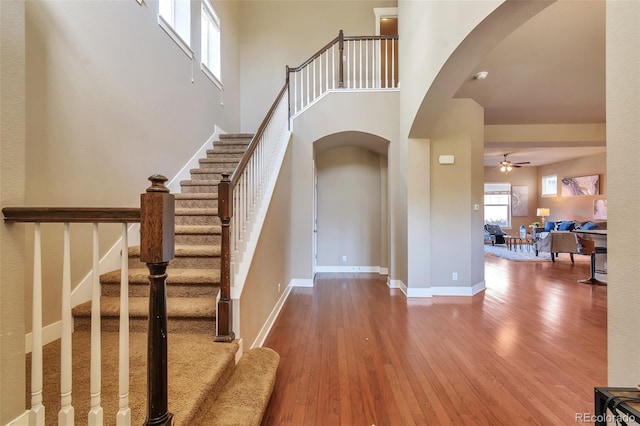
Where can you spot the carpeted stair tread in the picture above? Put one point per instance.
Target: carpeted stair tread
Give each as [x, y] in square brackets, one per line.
[203, 182]
[198, 229]
[196, 196]
[196, 211]
[244, 399]
[185, 251]
[226, 136]
[177, 307]
[176, 276]
[197, 368]
[224, 150]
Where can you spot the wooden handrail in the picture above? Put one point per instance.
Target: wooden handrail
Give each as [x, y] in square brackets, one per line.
[256, 138]
[316, 55]
[380, 37]
[71, 214]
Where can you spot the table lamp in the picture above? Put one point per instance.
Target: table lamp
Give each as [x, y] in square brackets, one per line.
[542, 212]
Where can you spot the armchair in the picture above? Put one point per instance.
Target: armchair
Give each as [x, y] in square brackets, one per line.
[555, 242]
[494, 234]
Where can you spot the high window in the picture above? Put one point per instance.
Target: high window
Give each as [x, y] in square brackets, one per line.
[497, 204]
[549, 186]
[174, 17]
[210, 53]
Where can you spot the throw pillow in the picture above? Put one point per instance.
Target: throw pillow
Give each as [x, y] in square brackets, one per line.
[549, 226]
[566, 225]
[589, 225]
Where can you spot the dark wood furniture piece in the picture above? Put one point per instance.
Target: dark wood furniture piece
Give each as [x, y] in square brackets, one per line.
[588, 247]
[623, 403]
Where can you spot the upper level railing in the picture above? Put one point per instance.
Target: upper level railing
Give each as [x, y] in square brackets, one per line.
[346, 63]
[156, 218]
[362, 62]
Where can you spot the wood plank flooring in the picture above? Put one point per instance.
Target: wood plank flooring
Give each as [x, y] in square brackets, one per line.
[528, 350]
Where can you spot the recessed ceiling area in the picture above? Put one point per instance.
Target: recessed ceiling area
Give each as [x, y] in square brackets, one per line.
[551, 70]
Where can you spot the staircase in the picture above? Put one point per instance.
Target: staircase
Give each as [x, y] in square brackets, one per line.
[192, 286]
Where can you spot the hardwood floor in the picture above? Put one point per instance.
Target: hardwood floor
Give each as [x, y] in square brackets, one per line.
[528, 350]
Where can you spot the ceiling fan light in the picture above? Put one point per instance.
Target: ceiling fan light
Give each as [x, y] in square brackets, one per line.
[509, 168]
[503, 169]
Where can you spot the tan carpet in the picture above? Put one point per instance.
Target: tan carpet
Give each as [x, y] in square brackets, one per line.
[196, 364]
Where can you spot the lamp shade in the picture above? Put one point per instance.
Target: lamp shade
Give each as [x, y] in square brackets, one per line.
[541, 211]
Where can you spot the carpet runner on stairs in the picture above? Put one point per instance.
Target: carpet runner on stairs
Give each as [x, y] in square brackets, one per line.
[192, 286]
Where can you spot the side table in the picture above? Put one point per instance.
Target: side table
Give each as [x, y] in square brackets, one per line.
[623, 403]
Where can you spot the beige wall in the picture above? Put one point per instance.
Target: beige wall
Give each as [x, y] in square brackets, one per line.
[369, 113]
[109, 105]
[349, 204]
[526, 176]
[456, 228]
[269, 274]
[623, 173]
[573, 208]
[12, 184]
[280, 33]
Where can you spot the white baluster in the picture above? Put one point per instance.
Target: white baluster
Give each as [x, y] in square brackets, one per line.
[123, 418]
[307, 68]
[393, 64]
[295, 92]
[36, 415]
[320, 79]
[386, 64]
[313, 64]
[360, 44]
[326, 70]
[66, 413]
[95, 413]
[366, 63]
[333, 66]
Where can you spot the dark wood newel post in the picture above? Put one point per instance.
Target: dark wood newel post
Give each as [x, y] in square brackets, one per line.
[224, 318]
[341, 61]
[157, 248]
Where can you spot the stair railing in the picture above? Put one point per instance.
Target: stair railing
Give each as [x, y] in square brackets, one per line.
[243, 198]
[346, 62]
[156, 249]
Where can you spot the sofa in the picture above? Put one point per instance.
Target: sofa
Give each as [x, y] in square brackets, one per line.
[494, 234]
[560, 237]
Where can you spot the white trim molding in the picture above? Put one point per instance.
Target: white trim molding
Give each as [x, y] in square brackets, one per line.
[273, 316]
[301, 282]
[173, 34]
[21, 420]
[443, 291]
[397, 284]
[50, 333]
[353, 269]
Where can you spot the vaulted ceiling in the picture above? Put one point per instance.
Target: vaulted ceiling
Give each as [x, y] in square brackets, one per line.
[549, 71]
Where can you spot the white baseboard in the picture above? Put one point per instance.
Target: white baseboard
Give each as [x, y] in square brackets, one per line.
[273, 316]
[50, 333]
[301, 282]
[353, 269]
[397, 284]
[444, 291]
[21, 420]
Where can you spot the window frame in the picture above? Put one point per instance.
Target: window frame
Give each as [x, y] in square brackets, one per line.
[546, 185]
[209, 14]
[506, 192]
[178, 25]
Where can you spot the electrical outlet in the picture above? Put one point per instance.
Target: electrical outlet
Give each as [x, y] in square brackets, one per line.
[454, 276]
[344, 258]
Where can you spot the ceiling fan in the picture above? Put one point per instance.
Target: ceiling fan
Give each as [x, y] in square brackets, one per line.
[506, 165]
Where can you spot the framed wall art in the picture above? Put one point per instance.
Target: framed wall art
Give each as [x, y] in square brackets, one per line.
[583, 185]
[519, 200]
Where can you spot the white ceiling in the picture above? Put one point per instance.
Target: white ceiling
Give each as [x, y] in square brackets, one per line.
[551, 70]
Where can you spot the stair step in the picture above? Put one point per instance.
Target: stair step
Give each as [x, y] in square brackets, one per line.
[231, 153]
[231, 136]
[244, 399]
[195, 216]
[218, 162]
[198, 235]
[196, 200]
[189, 373]
[210, 173]
[196, 257]
[180, 283]
[184, 315]
[200, 185]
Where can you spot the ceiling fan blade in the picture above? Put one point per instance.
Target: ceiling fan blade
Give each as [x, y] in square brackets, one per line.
[522, 162]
